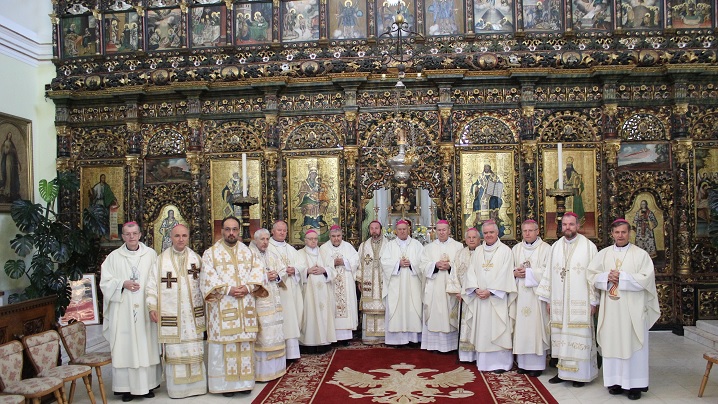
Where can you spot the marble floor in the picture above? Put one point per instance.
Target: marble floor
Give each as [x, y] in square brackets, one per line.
[676, 366]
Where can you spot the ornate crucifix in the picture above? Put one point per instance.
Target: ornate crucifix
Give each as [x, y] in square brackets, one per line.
[194, 271]
[169, 280]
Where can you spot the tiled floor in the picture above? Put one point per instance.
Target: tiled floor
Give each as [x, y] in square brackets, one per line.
[677, 366]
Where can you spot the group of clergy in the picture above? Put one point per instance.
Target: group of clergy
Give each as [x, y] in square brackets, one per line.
[259, 303]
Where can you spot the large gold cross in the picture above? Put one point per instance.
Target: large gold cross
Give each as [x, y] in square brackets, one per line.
[194, 271]
[169, 280]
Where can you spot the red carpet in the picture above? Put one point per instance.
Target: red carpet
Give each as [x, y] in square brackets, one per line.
[361, 374]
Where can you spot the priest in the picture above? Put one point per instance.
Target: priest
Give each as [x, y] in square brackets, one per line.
[231, 279]
[345, 260]
[401, 263]
[489, 292]
[628, 309]
[369, 277]
[291, 274]
[269, 351]
[134, 346]
[467, 352]
[175, 303]
[317, 329]
[441, 309]
[531, 337]
[572, 304]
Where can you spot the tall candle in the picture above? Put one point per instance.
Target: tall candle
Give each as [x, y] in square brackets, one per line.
[244, 174]
[560, 166]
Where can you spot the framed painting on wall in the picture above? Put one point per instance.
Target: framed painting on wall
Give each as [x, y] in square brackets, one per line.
[347, 19]
[227, 184]
[647, 222]
[16, 180]
[312, 195]
[386, 11]
[488, 190]
[79, 36]
[83, 302]
[207, 26]
[706, 186]
[444, 17]
[122, 32]
[169, 217]
[164, 29]
[579, 171]
[105, 186]
[252, 23]
[166, 170]
[494, 16]
[645, 156]
[300, 20]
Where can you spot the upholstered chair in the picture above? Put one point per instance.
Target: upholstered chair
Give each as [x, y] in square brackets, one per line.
[31, 389]
[74, 338]
[44, 352]
[11, 399]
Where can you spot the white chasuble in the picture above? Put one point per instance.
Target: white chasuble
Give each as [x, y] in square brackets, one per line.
[269, 350]
[290, 293]
[455, 286]
[127, 327]
[402, 289]
[531, 331]
[566, 287]
[370, 277]
[319, 305]
[490, 268]
[346, 316]
[173, 291]
[232, 322]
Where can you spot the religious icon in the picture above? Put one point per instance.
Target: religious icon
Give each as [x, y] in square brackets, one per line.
[706, 188]
[79, 36]
[313, 196]
[543, 15]
[300, 20]
[207, 26]
[494, 16]
[118, 40]
[647, 222]
[691, 13]
[226, 186]
[252, 23]
[168, 218]
[104, 186]
[387, 10]
[15, 160]
[164, 29]
[347, 19]
[645, 14]
[444, 17]
[592, 15]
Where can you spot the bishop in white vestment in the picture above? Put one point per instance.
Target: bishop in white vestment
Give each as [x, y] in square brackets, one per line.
[136, 368]
[628, 309]
[441, 309]
[345, 260]
[370, 278]
[572, 304]
[318, 323]
[269, 351]
[531, 332]
[467, 351]
[176, 305]
[231, 279]
[489, 292]
[292, 274]
[401, 263]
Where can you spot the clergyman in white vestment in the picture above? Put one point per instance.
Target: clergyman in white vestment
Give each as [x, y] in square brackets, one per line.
[628, 308]
[401, 263]
[572, 304]
[136, 368]
[440, 328]
[455, 286]
[531, 332]
[346, 260]
[489, 292]
[176, 305]
[291, 274]
[370, 278]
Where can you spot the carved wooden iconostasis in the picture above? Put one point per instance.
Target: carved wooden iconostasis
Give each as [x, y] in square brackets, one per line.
[166, 98]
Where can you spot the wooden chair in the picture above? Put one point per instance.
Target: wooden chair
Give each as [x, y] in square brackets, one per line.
[711, 357]
[11, 399]
[44, 352]
[31, 389]
[74, 338]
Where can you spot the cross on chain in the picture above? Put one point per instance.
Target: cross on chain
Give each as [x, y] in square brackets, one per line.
[169, 279]
[194, 271]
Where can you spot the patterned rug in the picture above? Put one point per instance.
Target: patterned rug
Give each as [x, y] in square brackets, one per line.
[360, 374]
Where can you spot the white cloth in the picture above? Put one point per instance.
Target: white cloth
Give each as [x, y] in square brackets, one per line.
[402, 291]
[454, 286]
[531, 331]
[127, 327]
[441, 309]
[346, 315]
[491, 269]
[566, 286]
[290, 295]
[370, 277]
[173, 291]
[319, 305]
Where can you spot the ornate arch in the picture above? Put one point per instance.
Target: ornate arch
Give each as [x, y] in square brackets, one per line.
[568, 126]
[705, 125]
[99, 143]
[233, 136]
[166, 141]
[486, 130]
[313, 134]
[643, 126]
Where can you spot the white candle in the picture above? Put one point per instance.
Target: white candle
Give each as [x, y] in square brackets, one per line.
[560, 166]
[244, 174]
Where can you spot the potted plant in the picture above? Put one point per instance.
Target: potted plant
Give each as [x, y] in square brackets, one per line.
[61, 251]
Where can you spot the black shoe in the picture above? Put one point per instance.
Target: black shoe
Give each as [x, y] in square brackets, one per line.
[615, 390]
[228, 394]
[521, 371]
[127, 397]
[534, 373]
[149, 395]
[245, 392]
[555, 380]
[578, 384]
[553, 362]
[645, 389]
[634, 394]
[499, 371]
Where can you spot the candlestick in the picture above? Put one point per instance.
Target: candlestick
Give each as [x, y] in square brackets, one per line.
[560, 166]
[244, 175]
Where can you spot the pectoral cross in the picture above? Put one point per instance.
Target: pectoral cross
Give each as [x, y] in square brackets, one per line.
[488, 265]
[368, 259]
[169, 279]
[194, 272]
[563, 274]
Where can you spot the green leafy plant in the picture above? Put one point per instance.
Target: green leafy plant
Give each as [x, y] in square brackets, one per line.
[60, 250]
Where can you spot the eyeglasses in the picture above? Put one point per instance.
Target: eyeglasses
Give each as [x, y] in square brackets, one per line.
[135, 234]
